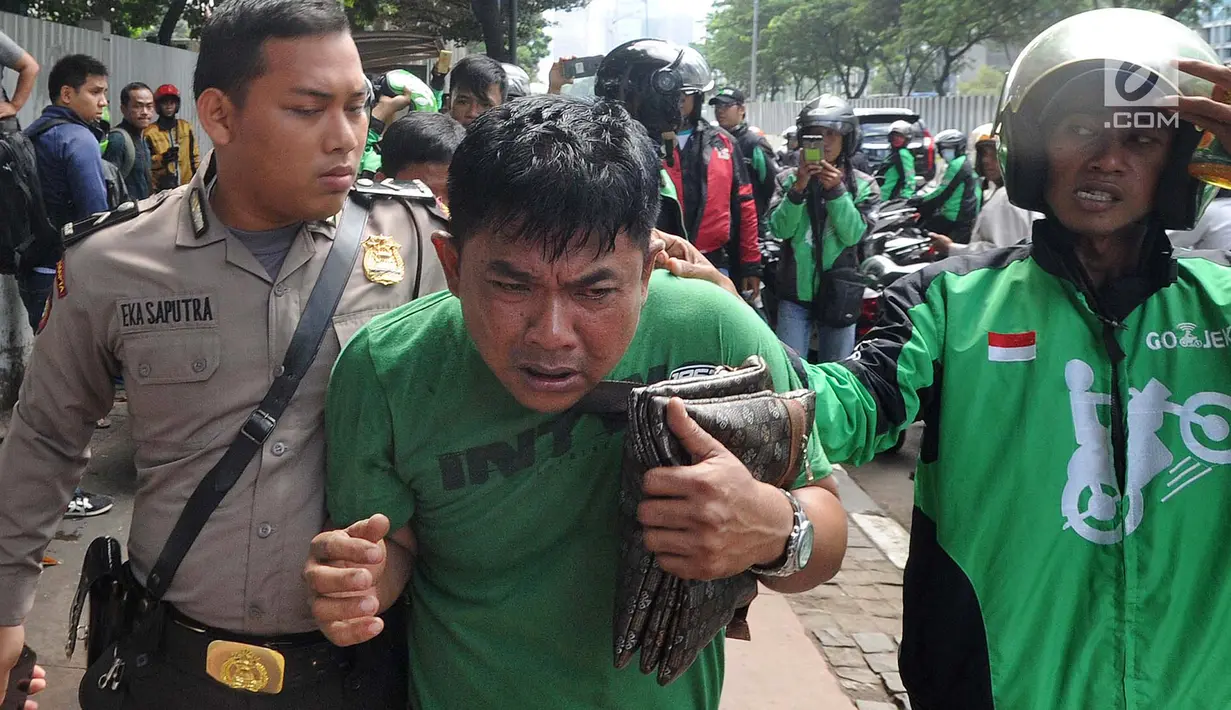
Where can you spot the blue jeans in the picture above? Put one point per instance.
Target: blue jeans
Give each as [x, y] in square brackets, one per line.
[795, 328]
[35, 287]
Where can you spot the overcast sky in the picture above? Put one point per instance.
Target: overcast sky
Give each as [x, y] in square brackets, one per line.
[698, 10]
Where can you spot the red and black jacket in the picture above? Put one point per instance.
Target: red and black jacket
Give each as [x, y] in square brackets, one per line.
[716, 192]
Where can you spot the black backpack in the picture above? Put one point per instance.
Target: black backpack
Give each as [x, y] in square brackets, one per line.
[23, 219]
[117, 189]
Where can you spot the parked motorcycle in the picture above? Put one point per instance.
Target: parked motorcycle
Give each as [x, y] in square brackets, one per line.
[771, 254]
[896, 246]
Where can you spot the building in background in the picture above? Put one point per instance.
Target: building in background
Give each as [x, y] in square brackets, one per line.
[603, 25]
[1215, 28]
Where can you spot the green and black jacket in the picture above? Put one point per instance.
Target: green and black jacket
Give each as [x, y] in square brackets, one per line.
[1069, 547]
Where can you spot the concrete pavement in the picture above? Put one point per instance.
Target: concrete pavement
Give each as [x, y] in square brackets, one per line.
[782, 668]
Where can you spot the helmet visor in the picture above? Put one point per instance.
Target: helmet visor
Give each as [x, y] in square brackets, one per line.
[694, 72]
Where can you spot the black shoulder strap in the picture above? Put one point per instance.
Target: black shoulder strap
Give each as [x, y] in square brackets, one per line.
[74, 232]
[313, 324]
[609, 397]
[50, 124]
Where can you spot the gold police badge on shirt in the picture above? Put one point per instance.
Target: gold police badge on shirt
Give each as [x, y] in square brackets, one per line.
[382, 260]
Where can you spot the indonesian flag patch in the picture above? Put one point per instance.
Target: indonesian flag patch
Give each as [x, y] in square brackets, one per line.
[1011, 347]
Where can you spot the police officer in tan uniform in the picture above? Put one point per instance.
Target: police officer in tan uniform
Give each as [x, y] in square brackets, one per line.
[193, 297]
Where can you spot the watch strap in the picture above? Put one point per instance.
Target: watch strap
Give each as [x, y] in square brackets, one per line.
[785, 565]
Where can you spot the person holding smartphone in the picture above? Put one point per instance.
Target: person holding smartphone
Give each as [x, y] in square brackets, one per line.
[818, 285]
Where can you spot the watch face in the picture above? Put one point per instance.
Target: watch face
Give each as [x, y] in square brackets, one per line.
[805, 545]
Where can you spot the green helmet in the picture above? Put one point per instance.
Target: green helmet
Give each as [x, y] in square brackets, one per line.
[400, 81]
[1101, 60]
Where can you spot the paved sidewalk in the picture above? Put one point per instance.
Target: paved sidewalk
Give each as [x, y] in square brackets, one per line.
[856, 618]
[782, 668]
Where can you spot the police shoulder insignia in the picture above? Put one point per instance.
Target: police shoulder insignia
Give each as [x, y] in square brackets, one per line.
[382, 260]
[196, 212]
[404, 189]
[61, 284]
[441, 210]
[76, 231]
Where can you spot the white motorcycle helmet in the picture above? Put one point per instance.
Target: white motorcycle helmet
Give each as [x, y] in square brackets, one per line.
[1076, 64]
[902, 128]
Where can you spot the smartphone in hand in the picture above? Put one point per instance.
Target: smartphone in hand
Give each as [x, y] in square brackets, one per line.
[444, 62]
[15, 698]
[581, 67]
[813, 150]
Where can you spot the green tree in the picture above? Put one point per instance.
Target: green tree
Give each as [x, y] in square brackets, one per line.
[534, 48]
[986, 82]
[127, 17]
[953, 27]
[456, 20]
[1187, 11]
[846, 54]
[450, 19]
[728, 46]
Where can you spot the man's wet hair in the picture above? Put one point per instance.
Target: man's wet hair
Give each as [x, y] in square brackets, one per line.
[127, 91]
[72, 71]
[556, 172]
[419, 137]
[232, 42]
[476, 73]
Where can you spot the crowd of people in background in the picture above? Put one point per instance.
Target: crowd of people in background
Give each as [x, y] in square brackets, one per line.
[474, 569]
[87, 165]
[729, 191]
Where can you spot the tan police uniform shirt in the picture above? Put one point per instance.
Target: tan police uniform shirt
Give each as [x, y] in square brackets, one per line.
[179, 307]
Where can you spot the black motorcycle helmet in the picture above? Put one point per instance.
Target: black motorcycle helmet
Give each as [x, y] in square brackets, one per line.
[835, 113]
[649, 76]
[518, 81]
[1070, 66]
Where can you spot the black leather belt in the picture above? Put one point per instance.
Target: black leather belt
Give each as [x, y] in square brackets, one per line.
[309, 657]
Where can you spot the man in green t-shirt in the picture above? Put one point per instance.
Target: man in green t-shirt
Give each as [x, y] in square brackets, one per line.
[454, 418]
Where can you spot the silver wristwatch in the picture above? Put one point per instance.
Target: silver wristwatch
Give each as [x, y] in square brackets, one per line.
[798, 546]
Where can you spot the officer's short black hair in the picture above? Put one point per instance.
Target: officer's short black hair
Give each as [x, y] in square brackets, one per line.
[419, 137]
[557, 172]
[476, 73]
[72, 71]
[127, 91]
[233, 39]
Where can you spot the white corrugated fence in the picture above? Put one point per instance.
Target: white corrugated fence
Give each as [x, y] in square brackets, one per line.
[964, 113]
[128, 60]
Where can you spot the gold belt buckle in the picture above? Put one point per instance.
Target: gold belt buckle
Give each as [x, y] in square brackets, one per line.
[255, 669]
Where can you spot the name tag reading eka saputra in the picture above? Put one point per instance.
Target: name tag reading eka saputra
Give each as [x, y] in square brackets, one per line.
[167, 313]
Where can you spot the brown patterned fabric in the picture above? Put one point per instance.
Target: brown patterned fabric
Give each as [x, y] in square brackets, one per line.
[668, 619]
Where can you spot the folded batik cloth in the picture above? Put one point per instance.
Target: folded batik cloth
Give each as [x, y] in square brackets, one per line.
[668, 619]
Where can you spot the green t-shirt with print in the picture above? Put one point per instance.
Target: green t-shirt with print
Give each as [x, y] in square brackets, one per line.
[515, 511]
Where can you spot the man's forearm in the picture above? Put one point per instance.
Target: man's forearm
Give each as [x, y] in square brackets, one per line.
[27, 70]
[828, 520]
[399, 560]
